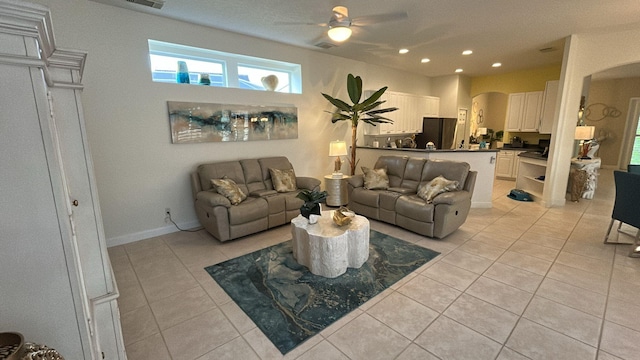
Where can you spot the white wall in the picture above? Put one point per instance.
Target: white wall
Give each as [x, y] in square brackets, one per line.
[139, 172]
[585, 54]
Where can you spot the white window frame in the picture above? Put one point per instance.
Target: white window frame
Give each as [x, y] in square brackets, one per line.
[229, 62]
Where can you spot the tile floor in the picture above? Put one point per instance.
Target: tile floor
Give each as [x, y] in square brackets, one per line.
[517, 281]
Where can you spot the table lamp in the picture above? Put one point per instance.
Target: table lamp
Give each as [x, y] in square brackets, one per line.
[584, 133]
[337, 148]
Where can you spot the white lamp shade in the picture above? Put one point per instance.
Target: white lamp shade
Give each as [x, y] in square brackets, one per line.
[339, 33]
[482, 131]
[337, 148]
[584, 132]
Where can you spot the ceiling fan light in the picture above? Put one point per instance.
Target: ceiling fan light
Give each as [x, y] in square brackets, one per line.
[339, 33]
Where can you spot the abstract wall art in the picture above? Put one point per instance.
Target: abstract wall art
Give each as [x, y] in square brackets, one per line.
[208, 122]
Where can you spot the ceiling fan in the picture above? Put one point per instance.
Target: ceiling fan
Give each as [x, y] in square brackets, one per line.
[340, 23]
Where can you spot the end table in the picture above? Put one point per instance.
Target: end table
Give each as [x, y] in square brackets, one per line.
[336, 190]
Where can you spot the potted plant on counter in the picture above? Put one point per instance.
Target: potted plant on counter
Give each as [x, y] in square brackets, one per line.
[366, 111]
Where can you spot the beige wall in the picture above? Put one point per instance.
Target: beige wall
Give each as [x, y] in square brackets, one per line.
[615, 93]
[494, 110]
[138, 171]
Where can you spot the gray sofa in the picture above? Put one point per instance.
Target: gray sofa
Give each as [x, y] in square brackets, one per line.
[400, 205]
[264, 207]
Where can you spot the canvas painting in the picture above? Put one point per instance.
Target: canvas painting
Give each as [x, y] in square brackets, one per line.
[207, 122]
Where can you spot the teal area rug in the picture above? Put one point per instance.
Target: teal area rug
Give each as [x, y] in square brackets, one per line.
[290, 304]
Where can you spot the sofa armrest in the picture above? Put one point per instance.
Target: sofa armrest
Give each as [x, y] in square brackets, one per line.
[356, 180]
[213, 199]
[309, 183]
[451, 197]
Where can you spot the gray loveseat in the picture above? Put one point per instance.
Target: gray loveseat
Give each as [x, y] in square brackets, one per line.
[400, 205]
[263, 208]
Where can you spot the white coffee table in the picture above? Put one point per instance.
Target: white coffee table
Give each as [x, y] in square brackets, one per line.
[328, 249]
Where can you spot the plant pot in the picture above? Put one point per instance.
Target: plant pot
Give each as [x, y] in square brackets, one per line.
[310, 208]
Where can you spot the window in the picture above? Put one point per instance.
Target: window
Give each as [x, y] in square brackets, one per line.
[221, 69]
[635, 153]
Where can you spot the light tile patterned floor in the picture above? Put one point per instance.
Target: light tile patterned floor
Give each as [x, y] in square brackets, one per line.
[517, 281]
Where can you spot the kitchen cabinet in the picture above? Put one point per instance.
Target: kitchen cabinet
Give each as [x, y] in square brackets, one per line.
[408, 118]
[523, 111]
[549, 102]
[507, 164]
[529, 176]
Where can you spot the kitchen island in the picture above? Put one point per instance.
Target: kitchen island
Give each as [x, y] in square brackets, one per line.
[483, 161]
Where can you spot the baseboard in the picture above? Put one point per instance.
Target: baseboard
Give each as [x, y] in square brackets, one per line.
[481, 204]
[129, 238]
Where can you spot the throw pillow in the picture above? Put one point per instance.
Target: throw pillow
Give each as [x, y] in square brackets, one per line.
[229, 189]
[375, 179]
[283, 180]
[435, 187]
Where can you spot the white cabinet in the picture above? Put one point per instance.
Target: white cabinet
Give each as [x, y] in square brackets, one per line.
[508, 163]
[531, 176]
[549, 102]
[408, 118]
[57, 285]
[523, 111]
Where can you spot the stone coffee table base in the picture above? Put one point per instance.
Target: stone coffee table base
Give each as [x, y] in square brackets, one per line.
[328, 249]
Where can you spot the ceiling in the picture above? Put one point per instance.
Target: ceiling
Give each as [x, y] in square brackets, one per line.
[511, 32]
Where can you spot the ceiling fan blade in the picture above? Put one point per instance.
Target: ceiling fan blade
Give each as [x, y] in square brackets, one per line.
[299, 23]
[375, 19]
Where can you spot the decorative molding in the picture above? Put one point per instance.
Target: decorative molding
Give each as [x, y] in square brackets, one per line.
[34, 21]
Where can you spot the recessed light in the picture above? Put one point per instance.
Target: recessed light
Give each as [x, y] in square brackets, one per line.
[459, 70]
[403, 51]
[425, 60]
[496, 64]
[467, 52]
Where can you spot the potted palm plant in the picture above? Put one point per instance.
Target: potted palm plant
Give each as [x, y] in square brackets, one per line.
[365, 110]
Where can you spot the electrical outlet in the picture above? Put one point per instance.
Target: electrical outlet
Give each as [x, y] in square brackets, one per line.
[167, 215]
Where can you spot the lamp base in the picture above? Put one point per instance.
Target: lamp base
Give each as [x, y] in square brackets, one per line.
[337, 165]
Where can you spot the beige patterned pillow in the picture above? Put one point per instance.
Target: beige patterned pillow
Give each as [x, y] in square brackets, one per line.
[283, 180]
[229, 189]
[435, 187]
[375, 179]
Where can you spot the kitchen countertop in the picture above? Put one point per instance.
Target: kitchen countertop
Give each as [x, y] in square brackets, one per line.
[425, 150]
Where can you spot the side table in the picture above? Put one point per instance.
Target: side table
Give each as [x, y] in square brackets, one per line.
[590, 166]
[336, 190]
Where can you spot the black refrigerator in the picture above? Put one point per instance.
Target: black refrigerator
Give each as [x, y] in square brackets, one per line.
[440, 131]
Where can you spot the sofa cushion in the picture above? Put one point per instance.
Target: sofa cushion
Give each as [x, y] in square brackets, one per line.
[395, 166]
[413, 174]
[229, 189]
[413, 207]
[437, 186]
[252, 175]
[375, 179]
[249, 210]
[365, 197]
[283, 180]
[452, 170]
[276, 162]
[229, 169]
[387, 199]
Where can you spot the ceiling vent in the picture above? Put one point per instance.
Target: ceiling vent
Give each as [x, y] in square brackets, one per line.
[325, 45]
[156, 4]
[548, 49]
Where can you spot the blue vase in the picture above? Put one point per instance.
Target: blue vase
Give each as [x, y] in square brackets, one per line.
[182, 77]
